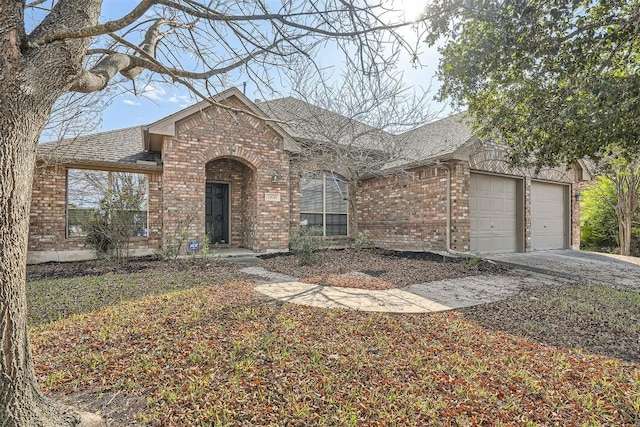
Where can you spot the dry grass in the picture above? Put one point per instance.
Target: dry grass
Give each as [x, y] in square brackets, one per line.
[211, 351]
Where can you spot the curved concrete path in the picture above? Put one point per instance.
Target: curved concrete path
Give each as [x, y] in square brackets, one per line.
[536, 268]
[419, 298]
[390, 301]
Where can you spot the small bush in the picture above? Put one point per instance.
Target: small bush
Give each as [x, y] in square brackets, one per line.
[306, 243]
[363, 240]
[174, 244]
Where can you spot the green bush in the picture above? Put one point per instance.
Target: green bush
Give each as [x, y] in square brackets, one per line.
[306, 243]
[362, 240]
[598, 220]
[175, 242]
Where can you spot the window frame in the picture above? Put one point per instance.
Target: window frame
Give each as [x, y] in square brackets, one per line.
[109, 182]
[324, 176]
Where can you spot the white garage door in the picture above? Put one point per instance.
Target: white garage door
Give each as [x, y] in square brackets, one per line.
[548, 216]
[492, 205]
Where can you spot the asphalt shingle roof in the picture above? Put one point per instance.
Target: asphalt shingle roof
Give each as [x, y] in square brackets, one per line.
[301, 120]
[116, 146]
[438, 138]
[308, 122]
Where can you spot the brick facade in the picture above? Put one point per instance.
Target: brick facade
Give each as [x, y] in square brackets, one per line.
[218, 145]
[424, 208]
[409, 211]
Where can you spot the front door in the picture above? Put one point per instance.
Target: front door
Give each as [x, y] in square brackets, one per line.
[217, 212]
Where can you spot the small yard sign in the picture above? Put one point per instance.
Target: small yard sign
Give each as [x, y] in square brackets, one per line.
[194, 245]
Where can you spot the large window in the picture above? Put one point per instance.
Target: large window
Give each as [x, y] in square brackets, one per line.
[89, 190]
[324, 202]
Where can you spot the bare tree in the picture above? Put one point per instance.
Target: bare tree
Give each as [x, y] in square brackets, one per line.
[354, 126]
[54, 47]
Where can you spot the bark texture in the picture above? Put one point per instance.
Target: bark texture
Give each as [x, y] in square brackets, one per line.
[31, 79]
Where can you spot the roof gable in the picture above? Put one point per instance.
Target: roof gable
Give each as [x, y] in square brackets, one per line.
[166, 126]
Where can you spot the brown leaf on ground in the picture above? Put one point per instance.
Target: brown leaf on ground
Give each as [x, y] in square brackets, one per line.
[395, 269]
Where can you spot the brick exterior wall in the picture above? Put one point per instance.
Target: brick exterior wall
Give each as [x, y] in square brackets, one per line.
[241, 150]
[460, 216]
[408, 212]
[47, 221]
[47, 224]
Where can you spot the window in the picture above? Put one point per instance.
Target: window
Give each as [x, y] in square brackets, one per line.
[324, 202]
[87, 191]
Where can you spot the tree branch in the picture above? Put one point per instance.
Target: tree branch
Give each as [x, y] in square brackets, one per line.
[40, 36]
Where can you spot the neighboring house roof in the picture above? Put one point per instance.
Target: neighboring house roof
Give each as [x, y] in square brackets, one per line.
[121, 146]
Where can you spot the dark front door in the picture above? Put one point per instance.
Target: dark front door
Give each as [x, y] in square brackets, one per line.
[217, 212]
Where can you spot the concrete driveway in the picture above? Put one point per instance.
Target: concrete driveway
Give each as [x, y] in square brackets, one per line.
[578, 265]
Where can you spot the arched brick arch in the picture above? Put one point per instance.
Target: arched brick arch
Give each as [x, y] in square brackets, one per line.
[240, 154]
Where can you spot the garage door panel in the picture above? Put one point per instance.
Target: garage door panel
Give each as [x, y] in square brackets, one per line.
[492, 205]
[484, 205]
[548, 216]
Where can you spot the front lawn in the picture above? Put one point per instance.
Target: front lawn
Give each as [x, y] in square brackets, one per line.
[218, 353]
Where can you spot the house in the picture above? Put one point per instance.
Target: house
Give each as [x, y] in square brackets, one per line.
[226, 173]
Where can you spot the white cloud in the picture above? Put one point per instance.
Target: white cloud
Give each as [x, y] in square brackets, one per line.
[130, 102]
[180, 99]
[153, 92]
[183, 101]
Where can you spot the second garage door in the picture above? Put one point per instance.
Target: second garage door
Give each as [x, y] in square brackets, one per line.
[548, 216]
[492, 205]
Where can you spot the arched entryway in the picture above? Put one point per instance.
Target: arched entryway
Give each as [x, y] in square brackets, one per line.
[230, 202]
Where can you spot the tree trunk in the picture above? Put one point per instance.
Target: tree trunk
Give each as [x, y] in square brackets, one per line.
[21, 403]
[31, 80]
[627, 187]
[353, 205]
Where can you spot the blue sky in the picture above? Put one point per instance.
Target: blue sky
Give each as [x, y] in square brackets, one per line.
[155, 100]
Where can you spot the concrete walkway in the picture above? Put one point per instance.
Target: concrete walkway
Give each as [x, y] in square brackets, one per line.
[390, 301]
[419, 298]
[537, 268]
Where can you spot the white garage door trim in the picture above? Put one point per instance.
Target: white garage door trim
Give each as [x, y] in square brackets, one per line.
[493, 208]
[549, 216]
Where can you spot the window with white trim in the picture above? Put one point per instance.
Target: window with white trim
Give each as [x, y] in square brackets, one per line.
[324, 202]
[87, 188]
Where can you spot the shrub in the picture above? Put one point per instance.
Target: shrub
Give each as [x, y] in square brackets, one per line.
[306, 243]
[598, 220]
[174, 243]
[363, 240]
